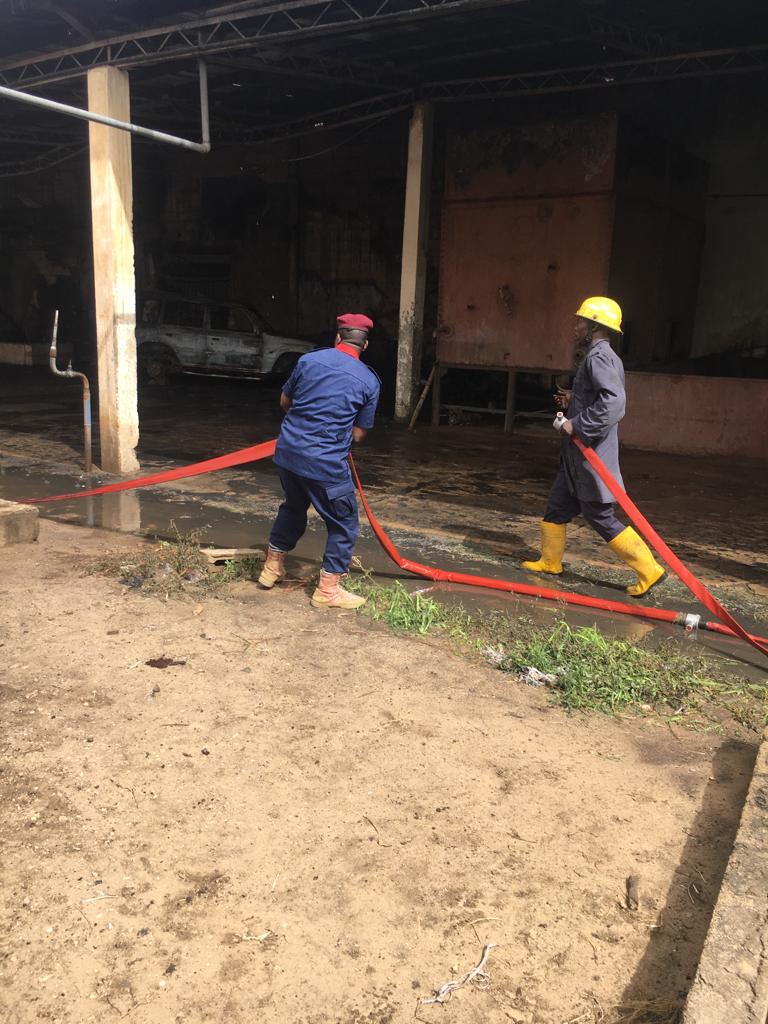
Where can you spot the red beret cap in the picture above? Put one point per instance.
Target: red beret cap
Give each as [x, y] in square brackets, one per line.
[354, 321]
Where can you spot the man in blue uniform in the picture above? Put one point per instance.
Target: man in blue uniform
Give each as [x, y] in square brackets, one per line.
[595, 408]
[329, 401]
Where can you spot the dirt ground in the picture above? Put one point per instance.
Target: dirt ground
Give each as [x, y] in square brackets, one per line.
[311, 819]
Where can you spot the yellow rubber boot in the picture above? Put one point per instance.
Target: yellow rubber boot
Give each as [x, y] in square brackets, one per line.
[552, 548]
[331, 594]
[274, 569]
[632, 549]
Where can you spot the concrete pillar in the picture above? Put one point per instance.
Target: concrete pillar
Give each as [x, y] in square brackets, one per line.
[414, 265]
[114, 278]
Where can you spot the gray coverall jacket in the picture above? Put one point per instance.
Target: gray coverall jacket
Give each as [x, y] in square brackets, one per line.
[595, 410]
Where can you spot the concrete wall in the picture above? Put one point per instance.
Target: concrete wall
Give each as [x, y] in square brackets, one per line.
[689, 415]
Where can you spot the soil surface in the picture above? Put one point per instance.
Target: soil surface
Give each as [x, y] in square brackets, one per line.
[307, 819]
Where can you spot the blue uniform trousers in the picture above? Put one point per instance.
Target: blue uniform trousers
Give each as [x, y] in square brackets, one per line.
[336, 506]
[563, 506]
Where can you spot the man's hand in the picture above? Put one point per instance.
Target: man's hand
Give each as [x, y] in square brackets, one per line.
[358, 433]
[285, 402]
[563, 399]
[567, 428]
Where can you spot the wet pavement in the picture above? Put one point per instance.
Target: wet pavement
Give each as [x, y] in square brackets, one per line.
[463, 498]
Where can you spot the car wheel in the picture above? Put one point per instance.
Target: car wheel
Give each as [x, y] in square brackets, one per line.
[156, 366]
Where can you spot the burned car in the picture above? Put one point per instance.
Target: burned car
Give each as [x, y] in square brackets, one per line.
[176, 335]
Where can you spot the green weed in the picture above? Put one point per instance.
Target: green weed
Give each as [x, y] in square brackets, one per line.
[240, 569]
[607, 674]
[410, 612]
[590, 671]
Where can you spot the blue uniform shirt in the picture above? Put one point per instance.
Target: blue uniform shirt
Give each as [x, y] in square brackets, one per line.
[330, 392]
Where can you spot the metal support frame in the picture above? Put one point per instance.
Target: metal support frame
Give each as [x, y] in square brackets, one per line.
[239, 30]
[509, 411]
[638, 42]
[600, 76]
[315, 67]
[126, 126]
[717, 62]
[690, 65]
[334, 117]
[41, 162]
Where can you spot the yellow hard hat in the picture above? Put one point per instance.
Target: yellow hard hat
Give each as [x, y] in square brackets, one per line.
[602, 311]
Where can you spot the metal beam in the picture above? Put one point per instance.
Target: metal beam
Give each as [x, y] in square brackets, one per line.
[334, 117]
[126, 126]
[314, 68]
[600, 76]
[622, 36]
[712, 62]
[686, 65]
[240, 30]
[41, 162]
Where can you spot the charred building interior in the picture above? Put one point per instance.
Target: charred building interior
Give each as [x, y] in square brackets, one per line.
[462, 172]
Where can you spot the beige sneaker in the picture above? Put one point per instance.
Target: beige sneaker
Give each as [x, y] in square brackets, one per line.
[274, 569]
[331, 594]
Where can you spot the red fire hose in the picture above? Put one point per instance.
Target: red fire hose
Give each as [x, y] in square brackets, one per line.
[697, 588]
[689, 621]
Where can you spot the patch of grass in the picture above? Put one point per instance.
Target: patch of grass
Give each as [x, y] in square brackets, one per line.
[608, 674]
[240, 569]
[410, 612]
[590, 671]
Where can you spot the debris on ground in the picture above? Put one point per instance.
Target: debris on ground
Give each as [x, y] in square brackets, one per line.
[499, 658]
[633, 896]
[164, 662]
[477, 976]
[495, 656]
[533, 677]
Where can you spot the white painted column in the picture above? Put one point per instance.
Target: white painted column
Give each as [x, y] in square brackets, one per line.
[414, 264]
[113, 270]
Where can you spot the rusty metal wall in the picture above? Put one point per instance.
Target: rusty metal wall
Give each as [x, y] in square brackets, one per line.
[526, 235]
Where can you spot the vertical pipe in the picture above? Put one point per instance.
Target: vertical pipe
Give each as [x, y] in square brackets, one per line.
[87, 423]
[70, 373]
[205, 124]
[54, 341]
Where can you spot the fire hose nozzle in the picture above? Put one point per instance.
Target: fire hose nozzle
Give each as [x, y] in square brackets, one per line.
[559, 421]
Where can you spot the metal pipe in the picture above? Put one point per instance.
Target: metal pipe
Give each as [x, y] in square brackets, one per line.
[125, 126]
[205, 124]
[70, 374]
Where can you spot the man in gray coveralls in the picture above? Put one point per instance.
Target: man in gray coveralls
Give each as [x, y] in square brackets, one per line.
[594, 409]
